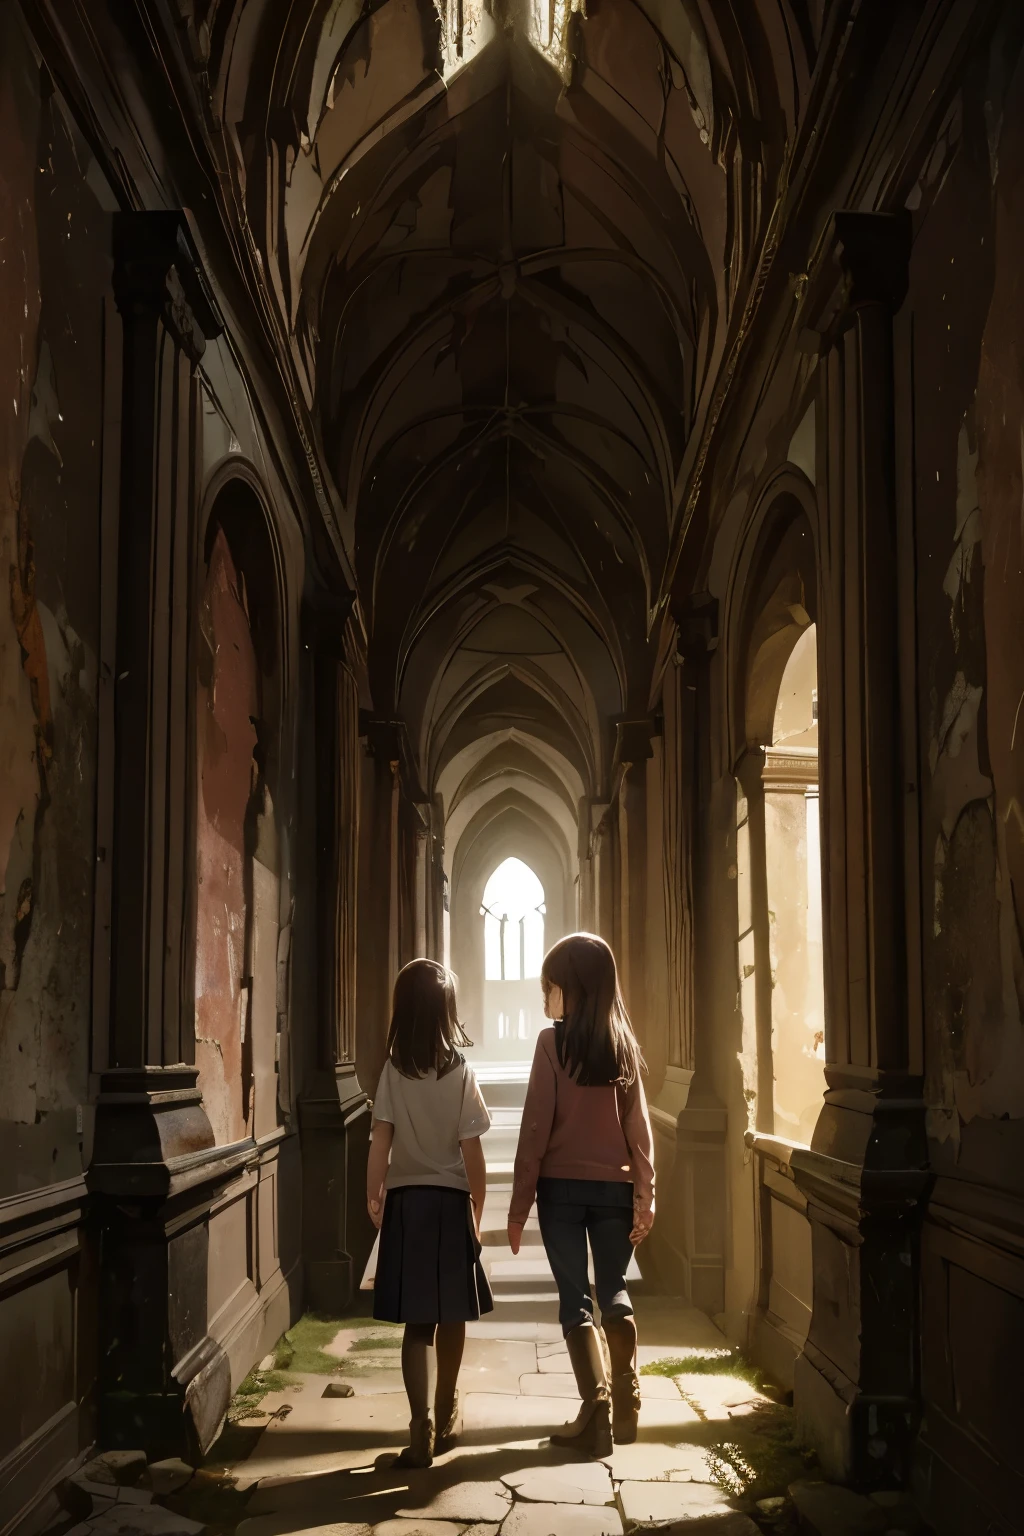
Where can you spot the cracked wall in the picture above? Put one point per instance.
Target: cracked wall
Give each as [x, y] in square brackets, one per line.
[54, 270]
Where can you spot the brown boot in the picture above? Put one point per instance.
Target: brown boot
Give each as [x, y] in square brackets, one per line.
[591, 1433]
[621, 1335]
[420, 1450]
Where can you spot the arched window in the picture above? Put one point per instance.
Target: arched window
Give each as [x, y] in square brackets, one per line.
[793, 860]
[513, 913]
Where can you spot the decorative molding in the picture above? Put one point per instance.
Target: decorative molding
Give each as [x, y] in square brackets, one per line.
[792, 769]
[157, 271]
[861, 259]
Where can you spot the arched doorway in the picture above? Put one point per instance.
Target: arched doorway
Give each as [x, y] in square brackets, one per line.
[513, 910]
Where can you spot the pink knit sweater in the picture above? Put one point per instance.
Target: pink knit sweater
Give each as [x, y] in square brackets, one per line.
[570, 1132]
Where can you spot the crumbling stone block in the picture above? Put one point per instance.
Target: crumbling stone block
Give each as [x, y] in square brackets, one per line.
[826, 1509]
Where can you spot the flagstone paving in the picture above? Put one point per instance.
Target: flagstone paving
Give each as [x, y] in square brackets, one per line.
[312, 1452]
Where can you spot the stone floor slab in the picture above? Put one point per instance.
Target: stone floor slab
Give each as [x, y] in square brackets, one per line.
[284, 1525]
[506, 1420]
[720, 1397]
[653, 1461]
[550, 1384]
[659, 1388]
[572, 1483]
[496, 1365]
[526, 1330]
[325, 1435]
[417, 1527]
[660, 1417]
[552, 1355]
[371, 1383]
[663, 1503]
[562, 1520]
[465, 1501]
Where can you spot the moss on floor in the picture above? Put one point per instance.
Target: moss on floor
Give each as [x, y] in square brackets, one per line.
[302, 1350]
[724, 1362]
[377, 1340]
[246, 1401]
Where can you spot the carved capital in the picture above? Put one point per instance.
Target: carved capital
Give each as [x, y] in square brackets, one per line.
[325, 621]
[696, 620]
[861, 259]
[157, 273]
[633, 740]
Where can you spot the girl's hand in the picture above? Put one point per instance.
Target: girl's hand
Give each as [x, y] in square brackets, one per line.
[515, 1235]
[643, 1221]
[376, 1210]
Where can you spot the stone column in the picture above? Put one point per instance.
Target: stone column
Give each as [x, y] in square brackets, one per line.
[435, 932]
[749, 772]
[379, 886]
[689, 1121]
[599, 839]
[334, 1115]
[856, 1383]
[164, 1384]
[632, 752]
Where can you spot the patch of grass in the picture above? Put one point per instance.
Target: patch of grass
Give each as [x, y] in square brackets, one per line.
[374, 1342]
[303, 1348]
[726, 1362]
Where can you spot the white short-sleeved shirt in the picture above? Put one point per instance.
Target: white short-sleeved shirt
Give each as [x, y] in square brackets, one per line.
[431, 1115]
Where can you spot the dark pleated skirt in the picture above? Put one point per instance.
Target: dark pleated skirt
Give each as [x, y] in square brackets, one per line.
[428, 1263]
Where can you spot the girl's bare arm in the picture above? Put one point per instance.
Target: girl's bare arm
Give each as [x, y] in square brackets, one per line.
[476, 1172]
[383, 1133]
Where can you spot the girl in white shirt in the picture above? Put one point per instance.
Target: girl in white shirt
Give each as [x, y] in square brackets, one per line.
[425, 1185]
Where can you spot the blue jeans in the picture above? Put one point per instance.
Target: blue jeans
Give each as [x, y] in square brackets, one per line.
[570, 1211]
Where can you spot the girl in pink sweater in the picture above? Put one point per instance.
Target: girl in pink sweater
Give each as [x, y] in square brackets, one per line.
[585, 1154]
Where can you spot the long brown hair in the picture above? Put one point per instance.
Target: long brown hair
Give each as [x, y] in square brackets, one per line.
[425, 1031]
[594, 1038]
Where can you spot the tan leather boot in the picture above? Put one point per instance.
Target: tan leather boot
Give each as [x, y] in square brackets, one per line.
[591, 1432]
[621, 1335]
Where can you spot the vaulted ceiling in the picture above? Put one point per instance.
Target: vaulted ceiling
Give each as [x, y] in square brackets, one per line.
[507, 249]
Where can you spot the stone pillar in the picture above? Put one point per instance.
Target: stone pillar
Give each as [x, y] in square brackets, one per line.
[435, 933]
[856, 1382]
[423, 883]
[164, 1384]
[379, 886]
[689, 1121]
[632, 752]
[334, 1115]
[749, 772]
[600, 839]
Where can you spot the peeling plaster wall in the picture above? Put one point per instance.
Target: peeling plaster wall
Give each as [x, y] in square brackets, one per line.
[967, 304]
[54, 271]
[967, 296]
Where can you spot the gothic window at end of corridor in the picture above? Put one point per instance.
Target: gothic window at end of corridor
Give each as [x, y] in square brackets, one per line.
[793, 866]
[513, 912]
